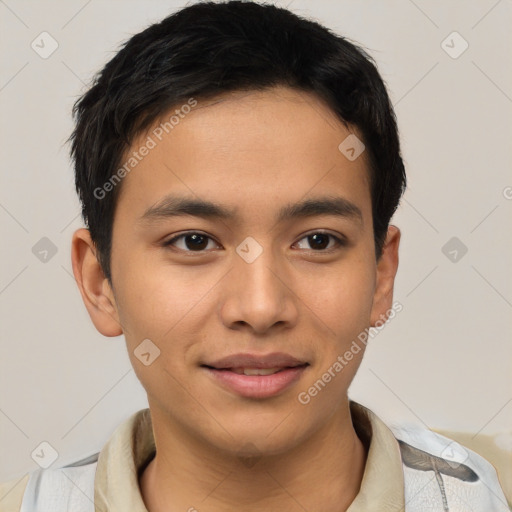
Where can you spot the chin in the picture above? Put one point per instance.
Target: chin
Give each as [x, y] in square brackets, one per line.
[265, 437]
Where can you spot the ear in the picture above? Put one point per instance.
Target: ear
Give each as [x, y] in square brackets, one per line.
[387, 265]
[94, 287]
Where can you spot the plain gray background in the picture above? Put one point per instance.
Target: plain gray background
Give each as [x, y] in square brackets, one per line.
[444, 361]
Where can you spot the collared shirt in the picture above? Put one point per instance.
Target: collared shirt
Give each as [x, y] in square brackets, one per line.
[114, 478]
[130, 449]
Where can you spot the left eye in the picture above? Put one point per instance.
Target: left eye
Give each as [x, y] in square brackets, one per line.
[320, 241]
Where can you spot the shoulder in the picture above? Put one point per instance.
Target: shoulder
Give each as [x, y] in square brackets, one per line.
[441, 474]
[54, 489]
[11, 493]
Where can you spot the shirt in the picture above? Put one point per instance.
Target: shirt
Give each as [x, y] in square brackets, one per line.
[404, 470]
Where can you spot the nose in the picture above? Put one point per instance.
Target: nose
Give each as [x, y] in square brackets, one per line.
[259, 297]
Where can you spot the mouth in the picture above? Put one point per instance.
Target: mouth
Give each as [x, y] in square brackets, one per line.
[253, 371]
[256, 376]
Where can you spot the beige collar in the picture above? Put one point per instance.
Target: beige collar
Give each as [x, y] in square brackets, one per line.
[132, 446]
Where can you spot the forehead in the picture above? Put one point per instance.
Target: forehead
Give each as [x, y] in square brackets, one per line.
[255, 148]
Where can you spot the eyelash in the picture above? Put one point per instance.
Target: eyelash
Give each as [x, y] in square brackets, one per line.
[341, 242]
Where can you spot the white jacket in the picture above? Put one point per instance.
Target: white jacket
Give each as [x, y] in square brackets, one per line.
[439, 475]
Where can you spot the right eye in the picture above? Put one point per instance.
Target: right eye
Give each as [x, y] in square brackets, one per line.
[191, 241]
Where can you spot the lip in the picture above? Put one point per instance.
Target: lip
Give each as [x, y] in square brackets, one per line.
[260, 361]
[256, 386]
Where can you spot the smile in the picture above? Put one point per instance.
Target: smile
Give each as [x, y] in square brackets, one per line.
[253, 376]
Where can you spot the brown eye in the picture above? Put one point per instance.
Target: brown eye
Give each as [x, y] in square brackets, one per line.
[320, 241]
[190, 242]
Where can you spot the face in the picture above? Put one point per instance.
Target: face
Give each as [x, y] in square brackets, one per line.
[243, 244]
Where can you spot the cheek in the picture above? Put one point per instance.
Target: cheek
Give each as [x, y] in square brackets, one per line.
[343, 299]
[154, 307]
[344, 307]
[152, 297]
[167, 305]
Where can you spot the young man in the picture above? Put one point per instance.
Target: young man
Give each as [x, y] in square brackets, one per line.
[238, 168]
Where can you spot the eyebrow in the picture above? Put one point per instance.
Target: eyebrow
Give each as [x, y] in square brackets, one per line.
[175, 206]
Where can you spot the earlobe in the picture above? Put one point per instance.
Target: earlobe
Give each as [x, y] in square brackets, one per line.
[387, 267]
[94, 287]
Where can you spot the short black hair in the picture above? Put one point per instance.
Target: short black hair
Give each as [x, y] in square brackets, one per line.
[210, 48]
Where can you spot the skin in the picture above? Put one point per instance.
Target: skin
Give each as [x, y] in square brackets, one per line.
[254, 152]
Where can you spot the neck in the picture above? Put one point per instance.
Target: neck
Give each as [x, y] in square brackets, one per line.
[323, 473]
